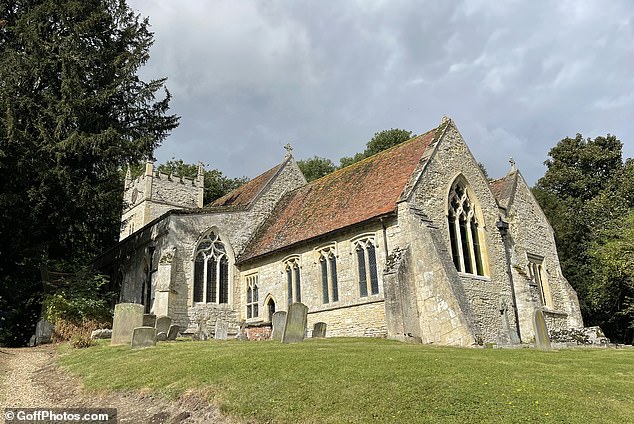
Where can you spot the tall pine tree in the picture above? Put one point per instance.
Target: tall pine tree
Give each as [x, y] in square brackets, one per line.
[73, 111]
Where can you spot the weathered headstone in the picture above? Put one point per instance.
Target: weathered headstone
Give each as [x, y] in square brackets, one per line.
[295, 328]
[279, 322]
[161, 337]
[143, 337]
[319, 330]
[172, 333]
[163, 324]
[102, 333]
[541, 331]
[222, 328]
[242, 332]
[149, 320]
[127, 317]
[43, 332]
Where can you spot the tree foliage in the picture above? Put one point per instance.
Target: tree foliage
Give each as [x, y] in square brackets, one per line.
[73, 112]
[586, 195]
[316, 167]
[381, 140]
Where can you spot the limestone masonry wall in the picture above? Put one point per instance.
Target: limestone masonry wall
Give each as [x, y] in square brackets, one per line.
[530, 233]
[451, 159]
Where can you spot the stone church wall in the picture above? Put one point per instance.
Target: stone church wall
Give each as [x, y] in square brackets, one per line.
[235, 229]
[351, 315]
[484, 294]
[530, 233]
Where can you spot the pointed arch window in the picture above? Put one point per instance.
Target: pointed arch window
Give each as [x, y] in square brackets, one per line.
[329, 283]
[538, 278]
[252, 297]
[211, 271]
[293, 280]
[366, 267]
[464, 231]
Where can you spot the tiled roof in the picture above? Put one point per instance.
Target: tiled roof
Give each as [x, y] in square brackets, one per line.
[502, 189]
[246, 193]
[362, 191]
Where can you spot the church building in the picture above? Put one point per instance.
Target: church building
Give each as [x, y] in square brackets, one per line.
[413, 243]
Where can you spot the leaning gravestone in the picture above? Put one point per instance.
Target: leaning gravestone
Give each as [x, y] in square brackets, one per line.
[127, 317]
[222, 328]
[278, 320]
[295, 328]
[173, 332]
[143, 337]
[541, 332]
[163, 324]
[319, 330]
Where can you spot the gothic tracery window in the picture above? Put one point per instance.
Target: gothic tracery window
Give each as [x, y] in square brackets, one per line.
[211, 271]
[367, 267]
[538, 279]
[464, 233]
[329, 283]
[293, 280]
[252, 296]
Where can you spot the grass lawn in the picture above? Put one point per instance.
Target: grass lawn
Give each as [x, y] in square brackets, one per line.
[373, 380]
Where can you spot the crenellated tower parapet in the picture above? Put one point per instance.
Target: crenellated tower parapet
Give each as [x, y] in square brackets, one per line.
[154, 193]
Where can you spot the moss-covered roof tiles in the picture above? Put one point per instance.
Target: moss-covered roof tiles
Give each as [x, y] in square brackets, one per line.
[362, 191]
[246, 193]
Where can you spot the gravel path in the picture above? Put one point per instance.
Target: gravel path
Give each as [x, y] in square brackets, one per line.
[31, 379]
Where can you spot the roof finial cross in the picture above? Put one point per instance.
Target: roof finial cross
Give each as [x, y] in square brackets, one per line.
[512, 162]
[289, 149]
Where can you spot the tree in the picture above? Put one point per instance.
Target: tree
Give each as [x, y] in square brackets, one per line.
[612, 292]
[381, 140]
[316, 167]
[73, 112]
[586, 194]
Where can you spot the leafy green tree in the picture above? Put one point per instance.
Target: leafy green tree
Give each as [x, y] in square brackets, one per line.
[73, 112]
[586, 193]
[316, 167]
[381, 140]
[612, 292]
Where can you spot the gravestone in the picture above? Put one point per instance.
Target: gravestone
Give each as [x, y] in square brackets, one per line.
[279, 322]
[149, 320]
[222, 328]
[103, 333]
[319, 330]
[295, 328]
[541, 331]
[143, 337]
[163, 324]
[127, 317]
[161, 337]
[173, 332]
[43, 332]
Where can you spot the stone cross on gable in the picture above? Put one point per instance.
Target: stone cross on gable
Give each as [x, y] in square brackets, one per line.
[512, 162]
[289, 150]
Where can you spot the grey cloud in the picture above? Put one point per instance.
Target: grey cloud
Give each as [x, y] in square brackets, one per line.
[248, 77]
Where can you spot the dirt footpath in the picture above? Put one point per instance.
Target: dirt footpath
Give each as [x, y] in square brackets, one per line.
[31, 379]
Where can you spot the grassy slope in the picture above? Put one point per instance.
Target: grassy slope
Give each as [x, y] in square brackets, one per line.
[369, 380]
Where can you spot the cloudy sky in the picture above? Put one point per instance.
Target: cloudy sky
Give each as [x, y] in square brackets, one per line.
[247, 77]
